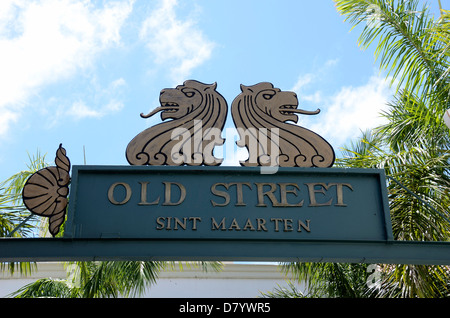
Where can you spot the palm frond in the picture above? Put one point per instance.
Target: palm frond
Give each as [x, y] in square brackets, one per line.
[330, 279]
[413, 121]
[289, 291]
[407, 44]
[43, 288]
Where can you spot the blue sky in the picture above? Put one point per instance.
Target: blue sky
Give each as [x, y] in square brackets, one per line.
[80, 72]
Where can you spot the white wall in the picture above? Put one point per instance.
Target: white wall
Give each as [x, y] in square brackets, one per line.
[9, 284]
[236, 280]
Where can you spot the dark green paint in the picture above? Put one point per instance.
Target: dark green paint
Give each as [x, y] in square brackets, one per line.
[361, 213]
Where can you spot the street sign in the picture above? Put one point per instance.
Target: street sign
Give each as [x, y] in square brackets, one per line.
[240, 203]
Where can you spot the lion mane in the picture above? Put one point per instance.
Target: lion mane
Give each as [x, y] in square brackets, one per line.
[261, 108]
[198, 114]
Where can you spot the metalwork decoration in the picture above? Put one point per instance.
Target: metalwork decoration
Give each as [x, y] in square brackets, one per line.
[260, 113]
[198, 113]
[45, 192]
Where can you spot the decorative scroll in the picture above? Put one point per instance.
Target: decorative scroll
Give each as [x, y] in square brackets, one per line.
[198, 113]
[45, 192]
[260, 114]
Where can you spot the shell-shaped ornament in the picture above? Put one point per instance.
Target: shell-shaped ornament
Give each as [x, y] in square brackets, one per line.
[45, 192]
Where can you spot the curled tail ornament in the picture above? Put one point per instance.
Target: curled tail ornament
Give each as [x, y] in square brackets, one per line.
[45, 192]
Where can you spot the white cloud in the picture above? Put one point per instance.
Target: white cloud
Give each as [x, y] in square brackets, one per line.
[302, 81]
[42, 42]
[175, 42]
[80, 110]
[7, 117]
[300, 87]
[348, 112]
[107, 99]
[352, 110]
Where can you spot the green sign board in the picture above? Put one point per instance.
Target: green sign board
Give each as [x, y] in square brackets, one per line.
[226, 213]
[227, 203]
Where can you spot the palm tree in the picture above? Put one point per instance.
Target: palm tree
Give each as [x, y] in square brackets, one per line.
[418, 198]
[15, 219]
[413, 48]
[103, 279]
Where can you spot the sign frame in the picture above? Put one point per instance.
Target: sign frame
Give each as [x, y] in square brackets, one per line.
[109, 214]
[117, 249]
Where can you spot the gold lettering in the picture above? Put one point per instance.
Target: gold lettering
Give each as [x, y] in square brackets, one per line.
[239, 192]
[269, 194]
[169, 220]
[144, 195]
[160, 221]
[312, 194]
[194, 220]
[302, 225]
[127, 193]
[324, 187]
[234, 225]
[226, 196]
[261, 224]
[168, 193]
[287, 225]
[276, 220]
[284, 191]
[249, 225]
[219, 193]
[215, 226]
[339, 193]
[181, 224]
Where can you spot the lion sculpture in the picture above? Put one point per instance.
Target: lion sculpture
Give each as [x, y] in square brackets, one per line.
[197, 112]
[260, 113]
